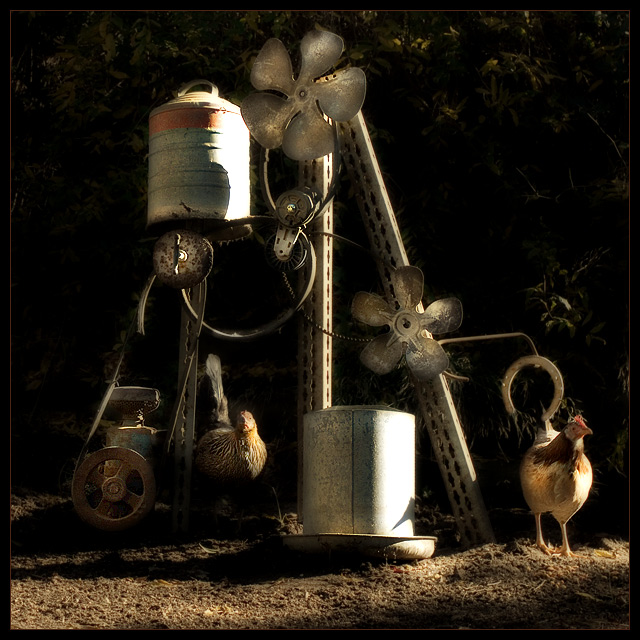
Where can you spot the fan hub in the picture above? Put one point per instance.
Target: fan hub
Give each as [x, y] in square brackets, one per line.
[406, 324]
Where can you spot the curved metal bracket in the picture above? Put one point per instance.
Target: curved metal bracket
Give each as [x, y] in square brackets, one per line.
[534, 361]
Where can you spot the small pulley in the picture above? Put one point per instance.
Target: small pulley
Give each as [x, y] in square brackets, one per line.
[113, 488]
[284, 251]
[182, 258]
[297, 207]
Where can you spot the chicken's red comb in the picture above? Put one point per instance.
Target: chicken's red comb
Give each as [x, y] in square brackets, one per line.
[580, 421]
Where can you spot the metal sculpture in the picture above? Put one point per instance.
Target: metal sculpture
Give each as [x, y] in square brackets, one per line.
[316, 119]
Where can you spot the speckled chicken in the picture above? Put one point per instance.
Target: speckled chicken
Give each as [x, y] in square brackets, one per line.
[227, 454]
[556, 477]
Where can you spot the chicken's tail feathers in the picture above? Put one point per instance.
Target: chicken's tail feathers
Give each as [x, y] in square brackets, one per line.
[213, 369]
[212, 409]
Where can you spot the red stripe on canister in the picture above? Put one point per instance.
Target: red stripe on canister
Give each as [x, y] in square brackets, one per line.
[200, 118]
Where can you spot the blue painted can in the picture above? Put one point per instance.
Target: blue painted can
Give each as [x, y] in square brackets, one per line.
[198, 160]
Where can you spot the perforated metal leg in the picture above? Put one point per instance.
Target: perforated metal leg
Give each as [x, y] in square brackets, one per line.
[436, 404]
[315, 347]
[184, 433]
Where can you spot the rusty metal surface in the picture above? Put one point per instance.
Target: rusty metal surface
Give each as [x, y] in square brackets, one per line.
[294, 119]
[182, 258]
[113, 488]
[410, 330]
[134, 402]
[199, 148]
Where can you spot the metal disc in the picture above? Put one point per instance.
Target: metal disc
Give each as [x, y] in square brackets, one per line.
[182, 259]
[113, 488]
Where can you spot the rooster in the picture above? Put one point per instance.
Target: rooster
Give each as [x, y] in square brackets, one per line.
[227, 454]
[556, 477]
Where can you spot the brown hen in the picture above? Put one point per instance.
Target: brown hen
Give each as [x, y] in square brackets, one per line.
[228, 455]
[556, 477]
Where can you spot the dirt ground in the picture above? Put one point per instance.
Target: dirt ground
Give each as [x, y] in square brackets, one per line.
[225, 574]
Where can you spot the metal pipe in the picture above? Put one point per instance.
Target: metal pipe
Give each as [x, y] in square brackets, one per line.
[493, 336]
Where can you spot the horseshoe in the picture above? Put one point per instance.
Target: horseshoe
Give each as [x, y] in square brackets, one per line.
[534, 361]
[113, 488]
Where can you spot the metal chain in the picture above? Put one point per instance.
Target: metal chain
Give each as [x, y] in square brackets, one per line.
[313, 323]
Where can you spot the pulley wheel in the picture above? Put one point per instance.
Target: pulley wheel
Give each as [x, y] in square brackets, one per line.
[113, 488]
[294, 260]
[296, 208]
[308, 265]
[182, 258]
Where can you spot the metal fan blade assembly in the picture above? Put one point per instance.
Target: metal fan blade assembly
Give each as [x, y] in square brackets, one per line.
[294, 112]
[409, 329]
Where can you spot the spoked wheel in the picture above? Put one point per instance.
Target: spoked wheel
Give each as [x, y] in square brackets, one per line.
[113, 488]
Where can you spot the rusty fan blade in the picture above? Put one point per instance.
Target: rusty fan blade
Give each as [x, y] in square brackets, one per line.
[408, 285]
[371, 309]
[382, 354]
[426, 358]
[442, 316]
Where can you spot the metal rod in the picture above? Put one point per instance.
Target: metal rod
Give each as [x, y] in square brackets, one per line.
[492, 336]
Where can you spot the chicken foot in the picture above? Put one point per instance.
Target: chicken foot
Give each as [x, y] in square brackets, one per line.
[564, 550]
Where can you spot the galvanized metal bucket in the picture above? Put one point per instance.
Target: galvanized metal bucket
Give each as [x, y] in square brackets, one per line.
[198, 159]
[359, 471]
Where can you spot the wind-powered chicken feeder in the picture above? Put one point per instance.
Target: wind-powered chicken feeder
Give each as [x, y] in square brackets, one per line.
[356, 464]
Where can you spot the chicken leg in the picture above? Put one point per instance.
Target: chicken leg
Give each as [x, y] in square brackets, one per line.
[540, 543]
[564, 550]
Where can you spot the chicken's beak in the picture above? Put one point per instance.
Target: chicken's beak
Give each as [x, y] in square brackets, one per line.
[584, 431]
[244, 421]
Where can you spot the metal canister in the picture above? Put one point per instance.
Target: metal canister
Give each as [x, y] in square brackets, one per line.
[198, 159]
[359, 471]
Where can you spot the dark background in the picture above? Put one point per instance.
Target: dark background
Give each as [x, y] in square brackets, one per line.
[503, 141]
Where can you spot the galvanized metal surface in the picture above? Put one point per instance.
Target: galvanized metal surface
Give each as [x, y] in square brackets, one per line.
[315, 346]
[359, 471]
[434, 397]
[369, 545]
